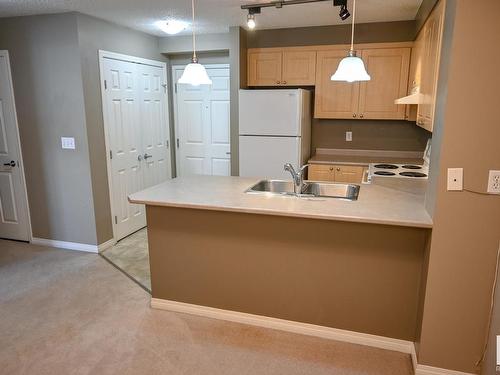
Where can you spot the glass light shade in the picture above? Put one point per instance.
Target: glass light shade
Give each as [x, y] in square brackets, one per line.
[171, 27]
[195, 74]
[351, 69]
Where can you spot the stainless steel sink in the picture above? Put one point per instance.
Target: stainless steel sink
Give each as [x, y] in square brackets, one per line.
[330, 190]
[310, 190]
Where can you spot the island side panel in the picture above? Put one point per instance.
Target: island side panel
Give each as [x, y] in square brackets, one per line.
[353, 276]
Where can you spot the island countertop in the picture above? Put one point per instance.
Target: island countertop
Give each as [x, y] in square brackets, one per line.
[376, 204]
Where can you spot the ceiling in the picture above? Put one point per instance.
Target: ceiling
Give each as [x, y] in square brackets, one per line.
[213, 16]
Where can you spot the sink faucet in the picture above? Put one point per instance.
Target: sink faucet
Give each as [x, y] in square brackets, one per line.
[298, 177]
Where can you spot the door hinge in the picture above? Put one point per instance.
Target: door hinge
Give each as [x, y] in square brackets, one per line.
[177, 142]
[110, 154]
[165, 87]
[116, 219]
[105, 85]
[175, 88]
[167, 143]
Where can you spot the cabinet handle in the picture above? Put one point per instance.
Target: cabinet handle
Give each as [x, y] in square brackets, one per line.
[361, 116]
[284, 82]
[278, 82]
[338, 169]
[353, 115]
[331, 168]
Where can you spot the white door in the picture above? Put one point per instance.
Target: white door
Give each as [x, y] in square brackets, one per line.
[135, 111]
[14, 216]
[203, 124]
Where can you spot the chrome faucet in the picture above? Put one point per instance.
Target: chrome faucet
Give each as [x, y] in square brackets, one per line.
[298, 177]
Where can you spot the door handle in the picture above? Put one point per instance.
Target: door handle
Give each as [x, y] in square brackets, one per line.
[12, 163]
[146, 156]
[139, 157]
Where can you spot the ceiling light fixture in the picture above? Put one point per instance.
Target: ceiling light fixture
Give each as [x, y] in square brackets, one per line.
[251, 17]
[351, 68]
[171, 27]
[194, 74]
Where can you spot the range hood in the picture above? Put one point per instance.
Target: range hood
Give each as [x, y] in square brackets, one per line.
[414, 98]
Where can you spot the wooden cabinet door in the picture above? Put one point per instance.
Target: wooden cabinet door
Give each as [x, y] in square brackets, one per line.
[265, 67]
[333, 99]
[321, 172]
[432, 35]
[352, 174]
[388, 68]
[299, 68]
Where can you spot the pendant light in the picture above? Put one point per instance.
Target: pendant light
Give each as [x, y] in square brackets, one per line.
[351, 68]
[194, 74]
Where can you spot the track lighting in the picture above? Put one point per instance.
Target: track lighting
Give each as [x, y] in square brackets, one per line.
[344, 13]
[251, 21]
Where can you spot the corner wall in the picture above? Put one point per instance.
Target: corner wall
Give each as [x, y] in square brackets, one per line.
[46, 74]
[466, 231]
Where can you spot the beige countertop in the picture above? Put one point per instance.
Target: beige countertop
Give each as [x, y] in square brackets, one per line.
[376, 204]
[364, 157]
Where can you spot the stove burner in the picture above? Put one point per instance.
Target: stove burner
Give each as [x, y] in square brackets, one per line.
[386, 166]
[412, 167]
[413, 174]
[385, 173]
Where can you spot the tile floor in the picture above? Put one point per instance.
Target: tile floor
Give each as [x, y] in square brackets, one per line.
[131, 256]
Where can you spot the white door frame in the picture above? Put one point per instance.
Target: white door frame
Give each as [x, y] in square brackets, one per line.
[5, 54]
[133, 59]
[175, 69]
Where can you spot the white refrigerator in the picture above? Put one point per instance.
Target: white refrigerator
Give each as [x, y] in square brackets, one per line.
[274, 129]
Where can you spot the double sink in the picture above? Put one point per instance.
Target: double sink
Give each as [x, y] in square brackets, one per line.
[310, 189]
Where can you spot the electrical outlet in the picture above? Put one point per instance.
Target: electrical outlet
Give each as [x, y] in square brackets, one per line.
[68, 143]
[455, 179]
[348, 136]
[494, 182]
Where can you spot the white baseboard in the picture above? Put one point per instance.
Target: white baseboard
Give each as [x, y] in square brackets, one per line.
[65, 245]
[381, 342]
[106, 245]
[429, 370]
[286, 325]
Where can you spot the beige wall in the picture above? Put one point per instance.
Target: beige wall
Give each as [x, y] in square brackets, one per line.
[466, 232]
[369, 135]
[47, 78]
[95, 35]
[336, 274]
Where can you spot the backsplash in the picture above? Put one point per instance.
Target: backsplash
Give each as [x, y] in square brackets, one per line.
[369, 135]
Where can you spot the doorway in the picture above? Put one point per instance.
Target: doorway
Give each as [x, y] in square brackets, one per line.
[135, 111]
[14, 211]
[202, 123]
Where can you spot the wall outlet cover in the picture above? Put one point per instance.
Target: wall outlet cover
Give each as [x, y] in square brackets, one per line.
[68, 143]
[455, 179]
[494, 182]
[348, 136]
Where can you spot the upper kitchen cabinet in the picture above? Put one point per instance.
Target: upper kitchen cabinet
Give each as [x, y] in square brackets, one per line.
[431, 34]
[294, 66]
[374, 99]
[388, 69]
[333, 99]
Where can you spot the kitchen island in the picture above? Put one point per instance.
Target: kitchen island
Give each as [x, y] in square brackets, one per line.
[351, 265]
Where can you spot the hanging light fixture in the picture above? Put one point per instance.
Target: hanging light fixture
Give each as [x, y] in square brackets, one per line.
[194, 73]
[351, 68]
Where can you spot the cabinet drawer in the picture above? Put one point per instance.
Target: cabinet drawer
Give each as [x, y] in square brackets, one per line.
[321, 172]
[348, 173]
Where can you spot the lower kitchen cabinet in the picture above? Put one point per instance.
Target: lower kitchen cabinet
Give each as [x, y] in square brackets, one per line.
[336, 173]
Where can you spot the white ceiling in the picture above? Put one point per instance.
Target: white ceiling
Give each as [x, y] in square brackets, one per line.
[213, 15]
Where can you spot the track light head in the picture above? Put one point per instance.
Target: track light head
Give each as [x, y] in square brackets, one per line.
[344, 13]
[251, 21]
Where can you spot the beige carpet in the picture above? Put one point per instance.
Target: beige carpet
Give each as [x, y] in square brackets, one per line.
[65, 312]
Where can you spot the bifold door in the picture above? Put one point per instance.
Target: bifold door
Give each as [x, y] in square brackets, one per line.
[135, 109]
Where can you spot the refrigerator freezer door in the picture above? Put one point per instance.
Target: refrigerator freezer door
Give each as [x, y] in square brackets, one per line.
[270, 112]
[265, 156]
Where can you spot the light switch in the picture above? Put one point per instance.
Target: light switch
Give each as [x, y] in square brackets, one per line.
[68, 143]
[455, 179]
[348, 136]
